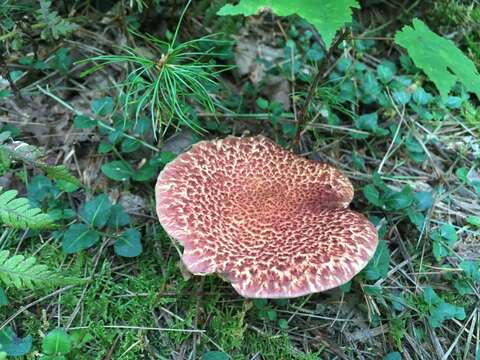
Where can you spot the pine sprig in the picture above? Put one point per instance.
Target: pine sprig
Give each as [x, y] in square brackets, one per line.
[17, 213]
[23, 272]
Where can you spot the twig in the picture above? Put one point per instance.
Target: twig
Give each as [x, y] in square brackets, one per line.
[302, 116]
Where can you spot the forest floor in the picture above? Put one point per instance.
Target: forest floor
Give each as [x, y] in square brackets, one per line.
[412, 157]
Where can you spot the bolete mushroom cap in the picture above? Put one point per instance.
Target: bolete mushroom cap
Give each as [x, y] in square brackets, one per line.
[275, 224]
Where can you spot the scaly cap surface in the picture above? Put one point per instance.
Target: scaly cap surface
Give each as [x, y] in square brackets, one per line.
[273, 223]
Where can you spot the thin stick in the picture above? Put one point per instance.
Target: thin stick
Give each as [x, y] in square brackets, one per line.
[302, 116]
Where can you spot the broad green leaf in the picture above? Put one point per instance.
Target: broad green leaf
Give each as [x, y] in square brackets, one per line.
[118, 170]
[12, 344]
[421, 97]
[401, 199]
[3, 298]
[103, 106]
[393, 356]
[57, 342]
[146, 173]
[424, 200]
[368, 122]
[471, 269]
[431, 297]
[214, 355]
[464, 287]
[445, 311]
[328, 16]
[97, 211]
[439, 58]
[83, 122]
[372, 195]
[378, 267]
[449, 233]
[79, 237]
[386, 71]
[473, 220]
[128, 244]
[118, 217]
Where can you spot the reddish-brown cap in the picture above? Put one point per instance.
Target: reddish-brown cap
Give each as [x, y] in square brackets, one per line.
[273, 223]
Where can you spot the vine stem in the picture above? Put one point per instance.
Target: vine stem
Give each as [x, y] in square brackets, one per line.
[302, 118]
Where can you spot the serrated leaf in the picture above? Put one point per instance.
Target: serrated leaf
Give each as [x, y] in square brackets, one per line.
[328, 16]
[372, 195]
[401, 199]
[79, 237]
[445, 311]
[439, 58]
[471, 269]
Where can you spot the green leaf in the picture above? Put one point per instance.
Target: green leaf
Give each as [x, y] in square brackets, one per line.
[215, 355]
[328, 16]
[118, 217]
[17, 213]
[57, 342]
[12, 344]
[430, 296]
[445, 311]
[118, 170]
[439, 58]
[79, 237]
[372, 195]
[471, 269]
[3, 298]
[83, 122]
[103, 106]
[424, 200]
[401, 199]
[129, 145]
[97, 211]
[262, 103]
[128, 244]
[386, 71]
[473, 220]
[63, 60]
[378, 267]
[62, 174]
[146, 173]
[421, 97]
[393, 356]
[22, 272]
[449, 233]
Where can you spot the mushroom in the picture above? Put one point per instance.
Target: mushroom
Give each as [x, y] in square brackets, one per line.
[274, 224]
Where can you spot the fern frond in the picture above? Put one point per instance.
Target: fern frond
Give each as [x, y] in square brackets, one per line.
[17, 213]
[59, 172]
[23, 272]
[30, 154]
